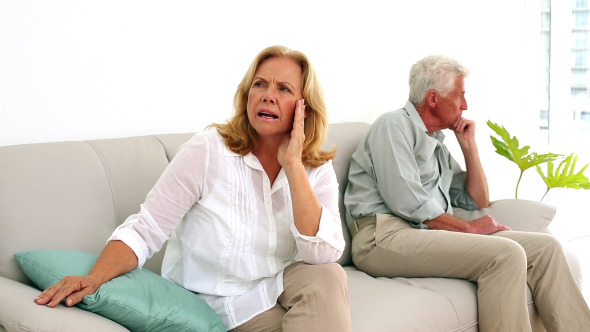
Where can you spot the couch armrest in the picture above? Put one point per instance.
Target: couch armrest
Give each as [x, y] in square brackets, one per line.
[528, 216]
[18, 312]
[518, 214]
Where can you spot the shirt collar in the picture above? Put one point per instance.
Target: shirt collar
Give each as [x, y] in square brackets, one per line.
[250, 159]
[229, 153]
[413, 113]
[253, 162]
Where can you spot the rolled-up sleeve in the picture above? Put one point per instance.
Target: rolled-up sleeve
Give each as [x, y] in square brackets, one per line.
[175, 192]
[458, 193]
[142, 234]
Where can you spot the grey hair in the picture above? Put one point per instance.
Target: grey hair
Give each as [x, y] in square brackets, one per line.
[434, 72]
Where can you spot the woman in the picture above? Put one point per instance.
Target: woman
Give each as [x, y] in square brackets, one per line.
[251, 211]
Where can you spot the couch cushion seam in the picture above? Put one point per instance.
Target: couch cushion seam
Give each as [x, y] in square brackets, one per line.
[110, 181]
[463, 327]
[163, 146]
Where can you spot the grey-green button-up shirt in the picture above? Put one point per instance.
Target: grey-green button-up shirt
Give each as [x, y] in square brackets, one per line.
[399, 169]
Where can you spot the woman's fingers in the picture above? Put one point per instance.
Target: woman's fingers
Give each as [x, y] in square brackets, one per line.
[299, 117]
[72, 289]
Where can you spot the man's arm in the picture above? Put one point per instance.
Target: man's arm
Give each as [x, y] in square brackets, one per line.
[485, 225]
[476, 182]
[476, 185]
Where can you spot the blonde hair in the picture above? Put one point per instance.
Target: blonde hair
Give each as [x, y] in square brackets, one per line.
[241, 138]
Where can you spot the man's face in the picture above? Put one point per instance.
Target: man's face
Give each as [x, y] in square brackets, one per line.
[451, 106]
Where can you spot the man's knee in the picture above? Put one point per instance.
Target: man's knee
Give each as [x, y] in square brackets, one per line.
[547, 248]
[513, 256]
[550, 242]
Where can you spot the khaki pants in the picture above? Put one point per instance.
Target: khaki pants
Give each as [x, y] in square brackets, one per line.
[315, 299]
[501, 265]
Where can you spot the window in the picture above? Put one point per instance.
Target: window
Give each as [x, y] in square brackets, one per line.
[565, 26]
[545, 60]
[580, 39]
[564, 108]
[580, 66]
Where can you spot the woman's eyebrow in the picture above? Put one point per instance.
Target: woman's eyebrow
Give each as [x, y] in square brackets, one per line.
[258, 78]
[286, 83]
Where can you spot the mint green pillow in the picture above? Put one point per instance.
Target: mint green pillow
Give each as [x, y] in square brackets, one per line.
[139, 300]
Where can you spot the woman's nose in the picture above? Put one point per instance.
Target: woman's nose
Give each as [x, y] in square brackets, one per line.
[269, 98]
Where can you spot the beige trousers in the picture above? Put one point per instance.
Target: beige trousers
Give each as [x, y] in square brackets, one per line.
[501, 264]
[315, 299]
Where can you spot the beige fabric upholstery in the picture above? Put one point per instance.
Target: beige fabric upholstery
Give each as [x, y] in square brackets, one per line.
[71, 195]
[17, 311]
[54, 196]
[520, 215]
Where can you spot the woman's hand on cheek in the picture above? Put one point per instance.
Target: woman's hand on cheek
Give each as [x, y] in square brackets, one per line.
[291, 148]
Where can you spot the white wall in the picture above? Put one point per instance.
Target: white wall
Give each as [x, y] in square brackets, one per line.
[78, 69]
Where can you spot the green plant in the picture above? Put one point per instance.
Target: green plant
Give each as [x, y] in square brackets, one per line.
[563, 177]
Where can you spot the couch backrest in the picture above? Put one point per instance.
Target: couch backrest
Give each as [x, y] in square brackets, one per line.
[346, 137]
[71, 195]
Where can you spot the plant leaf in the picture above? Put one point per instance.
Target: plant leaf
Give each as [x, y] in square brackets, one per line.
[509, 148]
[565, 176]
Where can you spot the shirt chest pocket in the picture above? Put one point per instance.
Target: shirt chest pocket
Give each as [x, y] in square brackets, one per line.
[429, 167]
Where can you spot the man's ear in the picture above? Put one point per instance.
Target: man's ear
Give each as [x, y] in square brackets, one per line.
[432, 98]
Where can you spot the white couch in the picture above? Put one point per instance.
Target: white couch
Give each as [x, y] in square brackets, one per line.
[71, 196]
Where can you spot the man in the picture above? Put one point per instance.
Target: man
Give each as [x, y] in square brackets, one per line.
[403, 183]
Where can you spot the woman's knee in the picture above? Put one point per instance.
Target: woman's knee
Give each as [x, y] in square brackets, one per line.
[325, 282]
[330, 275]
[311, 275]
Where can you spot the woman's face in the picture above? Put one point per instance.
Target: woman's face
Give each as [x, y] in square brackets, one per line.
[276, 87]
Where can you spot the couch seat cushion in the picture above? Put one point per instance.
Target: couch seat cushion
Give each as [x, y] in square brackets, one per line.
[416, 304]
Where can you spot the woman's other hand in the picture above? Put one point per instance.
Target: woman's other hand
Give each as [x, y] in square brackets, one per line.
[72, 289]
[116, 259]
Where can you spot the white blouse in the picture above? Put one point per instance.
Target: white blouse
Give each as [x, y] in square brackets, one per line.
[231, 234]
